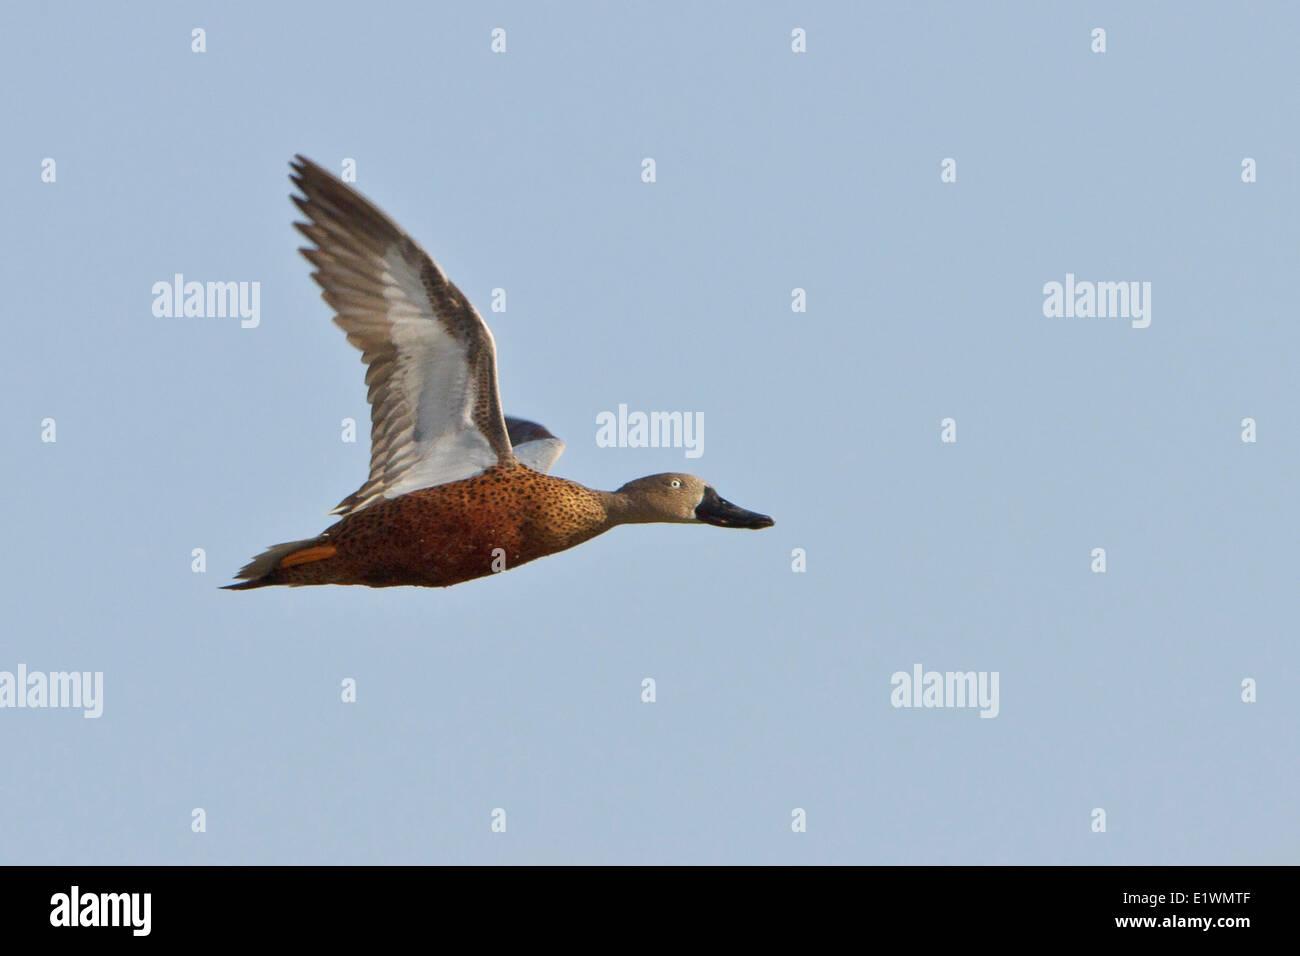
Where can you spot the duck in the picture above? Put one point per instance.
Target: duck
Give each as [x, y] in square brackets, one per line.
[457, 489]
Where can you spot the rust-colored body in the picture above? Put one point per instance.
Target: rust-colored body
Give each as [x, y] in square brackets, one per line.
[440, 536]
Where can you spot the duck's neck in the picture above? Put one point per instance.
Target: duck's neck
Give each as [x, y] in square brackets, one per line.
[621, 508]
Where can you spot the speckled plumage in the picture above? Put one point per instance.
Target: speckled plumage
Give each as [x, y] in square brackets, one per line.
[451, 533]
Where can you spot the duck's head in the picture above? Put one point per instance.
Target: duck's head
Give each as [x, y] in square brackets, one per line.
[687, 500]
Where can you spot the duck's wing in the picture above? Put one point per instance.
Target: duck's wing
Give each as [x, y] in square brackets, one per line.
[534, 445]
[435, 415]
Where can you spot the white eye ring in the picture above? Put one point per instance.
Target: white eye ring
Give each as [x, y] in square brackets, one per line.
[675, 483]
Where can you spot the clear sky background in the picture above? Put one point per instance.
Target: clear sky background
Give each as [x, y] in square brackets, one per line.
[776, 170]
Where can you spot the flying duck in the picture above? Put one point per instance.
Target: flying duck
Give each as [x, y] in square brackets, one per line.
[457, 490]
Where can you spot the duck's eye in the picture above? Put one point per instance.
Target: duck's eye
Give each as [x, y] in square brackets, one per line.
[675, 483]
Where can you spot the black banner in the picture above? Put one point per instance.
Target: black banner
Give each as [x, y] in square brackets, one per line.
[1149, 904]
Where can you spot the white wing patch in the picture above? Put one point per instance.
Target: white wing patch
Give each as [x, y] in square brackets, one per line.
[533, 445]
[539, 455]
[433, 378]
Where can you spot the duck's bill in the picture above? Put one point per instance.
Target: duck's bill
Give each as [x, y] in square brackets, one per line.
[713, 509]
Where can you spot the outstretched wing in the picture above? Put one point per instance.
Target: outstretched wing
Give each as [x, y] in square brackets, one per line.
[430, 360]
[534, 445]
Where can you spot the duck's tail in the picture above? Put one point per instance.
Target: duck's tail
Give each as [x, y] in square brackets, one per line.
[261, 571]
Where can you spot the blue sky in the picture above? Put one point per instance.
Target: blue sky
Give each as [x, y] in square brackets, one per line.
[774, 171]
